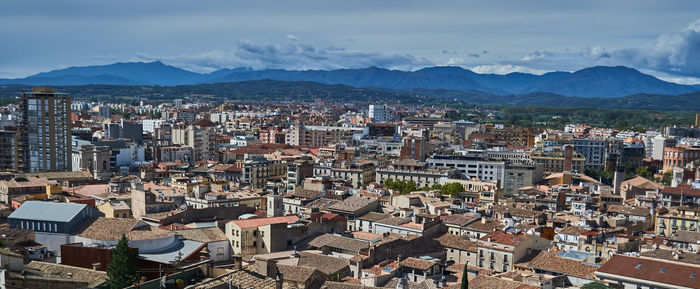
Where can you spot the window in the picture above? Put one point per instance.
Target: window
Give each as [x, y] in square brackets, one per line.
[662, 270]
[255, 243]
[638, 266]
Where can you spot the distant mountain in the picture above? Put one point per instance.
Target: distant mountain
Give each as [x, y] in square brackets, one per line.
[600, 81]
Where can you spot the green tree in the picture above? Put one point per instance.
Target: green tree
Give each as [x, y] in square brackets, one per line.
[121, 272]
[668, 176]
[452, 189]
[465, 278]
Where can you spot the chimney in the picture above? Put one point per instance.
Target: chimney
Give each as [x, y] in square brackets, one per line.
[483, 220]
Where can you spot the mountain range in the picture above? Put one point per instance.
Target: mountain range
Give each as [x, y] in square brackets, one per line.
[592, 82]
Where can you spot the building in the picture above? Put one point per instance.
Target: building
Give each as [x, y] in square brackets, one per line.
[459, 249]
[115, 209]
[45, 131]
[359, 174]
[202, 140]
[415, 148]
[52, 222]
[644, 272]
[259, 235]
[24, 186]
[472, 167]
[93, 159]
[175, 153]
[9, 149]
[297, 171]
[124, 129]
[680, 156]
[553, 162]
[317, 136]
[499, 250]
[379, 113]
[683, 218]
[422, 178]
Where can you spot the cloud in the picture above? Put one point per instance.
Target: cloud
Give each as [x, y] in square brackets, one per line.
[290, 56]
[474, 55]
[445, 51]
[536, 55]
[595, 52]
[292, 37]
[454, 61]
[497, 68]
[677, 53]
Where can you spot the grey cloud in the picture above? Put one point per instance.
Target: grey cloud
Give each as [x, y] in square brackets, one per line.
[677, 53]
[595, 52]
[536, 55]
[474, 55]
[290, 56]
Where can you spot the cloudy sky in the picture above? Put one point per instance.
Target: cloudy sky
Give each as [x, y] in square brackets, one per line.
[657, 37]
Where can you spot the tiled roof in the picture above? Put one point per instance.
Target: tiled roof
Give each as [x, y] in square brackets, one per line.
[373, 216]
[296, 273]
[488, 282]
[504, 238]
[549, 261]
[113, 228]
[672, 273]
[458, 219]
[344, 285]
[685, 189]
[254, 223]
[237, 279]
[353, 203]
[457, 242]
[417, 263]
[94, 278]
[341, 242]
[627, 210]
[326, 264]
[573, 230]
[205, 235]
[486, 227]
[308, 194]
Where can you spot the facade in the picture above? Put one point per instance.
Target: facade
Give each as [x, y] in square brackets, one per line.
[202, 140]
[9, 148]
[359, 174]
[175, 153]
[552, 162]
[498, 250]
[115, 209]
[680, 156]
[259, 235]
[379, 113]
[472, 167]
[45, 131]
[316, 136]
[94, 159]
[423, 178]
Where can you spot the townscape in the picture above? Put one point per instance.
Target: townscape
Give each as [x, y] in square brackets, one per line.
[195, 193]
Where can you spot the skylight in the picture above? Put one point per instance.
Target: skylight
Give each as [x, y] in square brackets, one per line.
[638, 266]
[662, 270]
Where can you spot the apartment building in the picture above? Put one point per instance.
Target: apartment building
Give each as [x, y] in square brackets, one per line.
[259, 235]
[316, 136]
[499, 250]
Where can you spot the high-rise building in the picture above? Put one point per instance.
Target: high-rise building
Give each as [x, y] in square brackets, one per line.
[379, 113]
[45, 131]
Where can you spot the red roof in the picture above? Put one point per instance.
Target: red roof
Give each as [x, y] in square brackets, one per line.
[685, 189]
[656, 270]
[504, 238]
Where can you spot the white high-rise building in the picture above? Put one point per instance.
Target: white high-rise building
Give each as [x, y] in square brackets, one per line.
[379, 113]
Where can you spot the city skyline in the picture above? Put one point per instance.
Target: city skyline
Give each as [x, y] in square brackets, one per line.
[501, 37]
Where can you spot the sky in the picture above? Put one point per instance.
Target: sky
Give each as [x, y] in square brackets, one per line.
[661, 38]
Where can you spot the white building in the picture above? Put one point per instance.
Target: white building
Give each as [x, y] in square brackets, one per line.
[379, 113]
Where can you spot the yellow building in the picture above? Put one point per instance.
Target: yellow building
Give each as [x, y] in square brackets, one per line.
[683, 218]
[115, 209]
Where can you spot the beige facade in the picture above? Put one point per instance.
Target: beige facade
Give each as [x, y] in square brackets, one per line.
[302, 135]
[115, 209]
[201, 139]
[263, 239]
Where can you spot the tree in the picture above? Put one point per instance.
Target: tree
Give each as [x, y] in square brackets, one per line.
[121, 272]
[595, 285]
[465, 278]
[667, 178]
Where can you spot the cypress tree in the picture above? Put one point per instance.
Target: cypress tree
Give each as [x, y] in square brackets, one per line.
[121, 272]
[465, 278]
